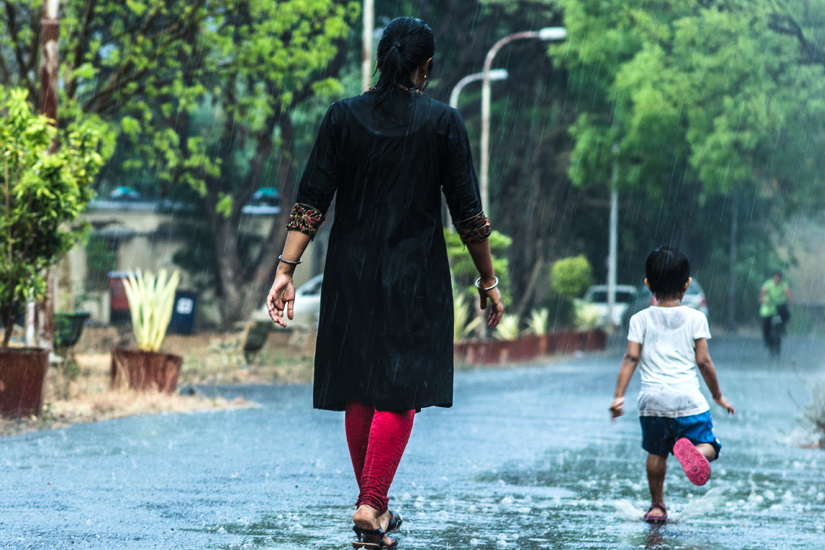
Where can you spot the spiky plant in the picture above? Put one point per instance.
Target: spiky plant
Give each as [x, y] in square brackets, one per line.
[150, 302]
[507, 329]
[586, 316]
[461, 315]
[539, 321]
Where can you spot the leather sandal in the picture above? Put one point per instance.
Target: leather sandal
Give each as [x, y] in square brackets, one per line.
[395, 521]
[656, 520]
[372, 539]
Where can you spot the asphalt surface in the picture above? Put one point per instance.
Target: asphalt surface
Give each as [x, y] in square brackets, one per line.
[527, 458]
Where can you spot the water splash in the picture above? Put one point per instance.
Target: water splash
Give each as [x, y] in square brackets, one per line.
[708, 503]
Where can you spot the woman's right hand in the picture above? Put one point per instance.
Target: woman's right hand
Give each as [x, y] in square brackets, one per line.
[281, 296]
[496, 309]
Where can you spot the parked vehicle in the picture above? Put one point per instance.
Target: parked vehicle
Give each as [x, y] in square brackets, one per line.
[694, 297]
[307, 305]
[597, 296]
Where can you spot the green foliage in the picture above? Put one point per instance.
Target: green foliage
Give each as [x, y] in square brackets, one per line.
[42, 195]
[689, 90]
[586, 316]
[508, 329]
[463, 270]
[539, 321]
[570, 277]
[151, 300]
[461, 315]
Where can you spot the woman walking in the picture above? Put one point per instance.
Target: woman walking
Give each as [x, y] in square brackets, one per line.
[385, 334]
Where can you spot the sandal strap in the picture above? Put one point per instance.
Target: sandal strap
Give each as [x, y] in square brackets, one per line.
[657, 505]
[395, 521]
[360, 531]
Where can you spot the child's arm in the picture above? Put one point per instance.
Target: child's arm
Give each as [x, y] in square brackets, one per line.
[709, 374]
[626, 370]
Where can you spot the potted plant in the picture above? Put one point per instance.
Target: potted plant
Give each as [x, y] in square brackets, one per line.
[587, 319]
[150, 304]
[538, 325]
[41, 196]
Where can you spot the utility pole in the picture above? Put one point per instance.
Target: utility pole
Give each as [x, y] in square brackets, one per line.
[366, 55]
[49, 67]
[613, 251]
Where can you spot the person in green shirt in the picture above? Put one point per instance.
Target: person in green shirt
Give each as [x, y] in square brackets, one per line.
[775, 297]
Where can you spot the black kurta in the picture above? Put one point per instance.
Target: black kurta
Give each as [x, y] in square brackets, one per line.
[385, 335]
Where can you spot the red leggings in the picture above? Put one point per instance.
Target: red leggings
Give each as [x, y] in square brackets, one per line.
[376, 440]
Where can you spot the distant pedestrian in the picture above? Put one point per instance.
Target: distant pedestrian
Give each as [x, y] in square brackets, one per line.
[385, 335]
[669, 342]
[774, 299]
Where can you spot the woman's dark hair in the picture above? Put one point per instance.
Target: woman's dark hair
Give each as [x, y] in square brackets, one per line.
[667, 270]
[406, 44]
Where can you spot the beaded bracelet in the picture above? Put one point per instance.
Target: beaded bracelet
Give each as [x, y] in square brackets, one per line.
[281, 258]
[486, 289]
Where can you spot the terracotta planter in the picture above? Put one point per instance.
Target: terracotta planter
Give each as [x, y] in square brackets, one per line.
[525, 348]
[594, 340]
[22, 377]
[568, 341]
[145, 370]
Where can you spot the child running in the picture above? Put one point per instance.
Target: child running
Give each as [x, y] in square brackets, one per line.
[669, 341]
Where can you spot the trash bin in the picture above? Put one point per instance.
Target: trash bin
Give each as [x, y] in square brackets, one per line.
[118, 301]
[183, 313]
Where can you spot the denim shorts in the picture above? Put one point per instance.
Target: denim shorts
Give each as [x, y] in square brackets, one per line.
[660, 434]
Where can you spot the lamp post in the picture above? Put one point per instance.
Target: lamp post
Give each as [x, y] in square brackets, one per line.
[495, 74]
[366, 52]
[549, 34]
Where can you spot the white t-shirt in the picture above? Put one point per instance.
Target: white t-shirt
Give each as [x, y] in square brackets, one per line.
[670, 378]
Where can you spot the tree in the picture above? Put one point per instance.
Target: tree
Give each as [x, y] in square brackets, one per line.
[148, 66]
[700, 96]
[42, 195]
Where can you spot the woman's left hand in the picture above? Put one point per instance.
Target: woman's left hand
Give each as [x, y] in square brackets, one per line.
[281, 296]
[496, 305]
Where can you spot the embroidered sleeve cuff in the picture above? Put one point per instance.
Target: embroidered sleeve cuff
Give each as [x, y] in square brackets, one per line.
[305, 219]
[473, 230]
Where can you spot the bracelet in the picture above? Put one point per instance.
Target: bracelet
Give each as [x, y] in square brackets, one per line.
[486, 289]
[281, 258]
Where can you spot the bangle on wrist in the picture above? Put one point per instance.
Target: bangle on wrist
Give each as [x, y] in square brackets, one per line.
[478, 284]
[289, 262]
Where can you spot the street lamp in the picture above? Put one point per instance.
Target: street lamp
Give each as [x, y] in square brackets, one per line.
[549, 34]
[495, 74]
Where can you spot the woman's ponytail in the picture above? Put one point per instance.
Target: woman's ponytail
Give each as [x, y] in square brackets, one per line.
[406, 43]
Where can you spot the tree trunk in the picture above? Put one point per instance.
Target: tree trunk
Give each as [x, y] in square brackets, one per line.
[734, 232]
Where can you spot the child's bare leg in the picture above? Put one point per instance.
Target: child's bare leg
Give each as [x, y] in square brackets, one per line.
[707, 450]
[656, 470]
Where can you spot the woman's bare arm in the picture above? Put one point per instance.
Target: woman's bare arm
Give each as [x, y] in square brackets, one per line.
[282, 294]
[483, 260]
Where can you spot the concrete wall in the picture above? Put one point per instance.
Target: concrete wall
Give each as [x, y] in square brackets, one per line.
[148, 240]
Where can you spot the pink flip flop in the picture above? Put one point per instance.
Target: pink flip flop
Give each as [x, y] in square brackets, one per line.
[695, 464]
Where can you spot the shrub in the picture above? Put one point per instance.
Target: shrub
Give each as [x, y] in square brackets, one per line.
[570, 277]
[41, 196]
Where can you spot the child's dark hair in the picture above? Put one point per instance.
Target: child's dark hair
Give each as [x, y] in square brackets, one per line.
[406, 43]
[667, 270]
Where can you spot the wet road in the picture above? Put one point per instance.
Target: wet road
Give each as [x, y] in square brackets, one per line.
[527, 458]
